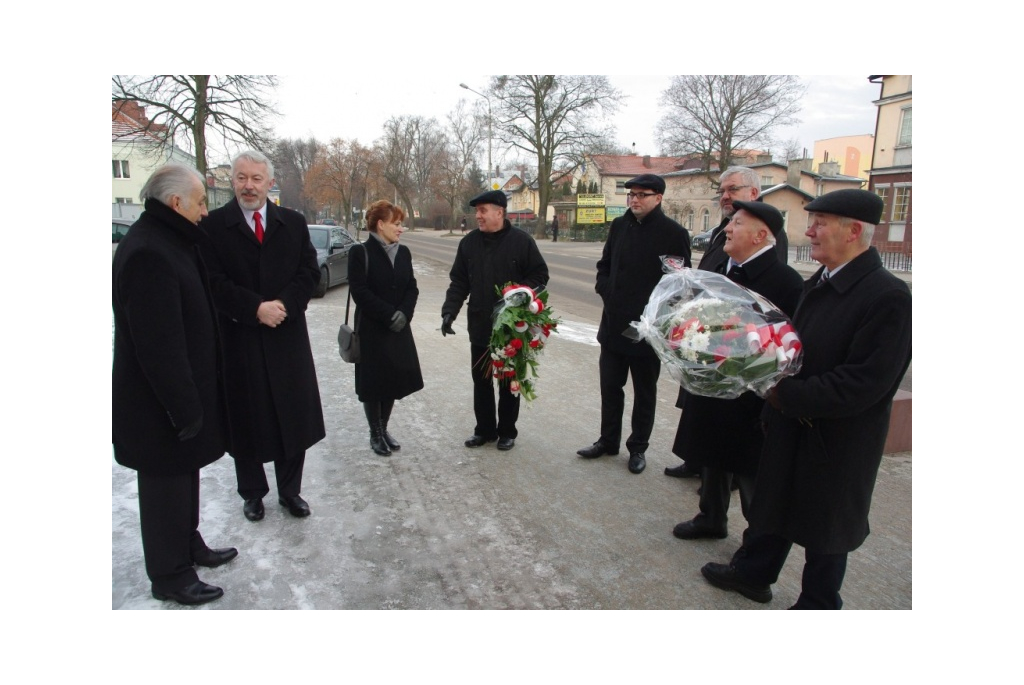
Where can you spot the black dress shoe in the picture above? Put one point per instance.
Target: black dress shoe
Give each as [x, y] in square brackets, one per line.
[253, 509]
[598, 449]
[196, 593]
[297, 506]
[726, 577]
[691, 530]
[637, 462]
[212, 558]
[477, 440]
[682, 471]
[505, 444]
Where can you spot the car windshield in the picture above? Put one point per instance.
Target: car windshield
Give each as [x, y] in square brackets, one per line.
[320, 237]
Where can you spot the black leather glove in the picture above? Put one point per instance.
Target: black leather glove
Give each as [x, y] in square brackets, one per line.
[446, 325]
[191, 430]
[398, 321]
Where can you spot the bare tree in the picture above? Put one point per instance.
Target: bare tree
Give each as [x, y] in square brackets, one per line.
[712, 115]
[339, 176]
[552, 117]
[410, 152]
[463, 137]
[185, 110]
[292, 161]
[788, 150]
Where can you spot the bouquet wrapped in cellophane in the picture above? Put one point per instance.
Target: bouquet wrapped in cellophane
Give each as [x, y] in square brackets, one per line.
[522, 324]
[717, 338]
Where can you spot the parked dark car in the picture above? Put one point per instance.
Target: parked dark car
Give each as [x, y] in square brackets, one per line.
[332, 244]
[120, 227]
[700, 241]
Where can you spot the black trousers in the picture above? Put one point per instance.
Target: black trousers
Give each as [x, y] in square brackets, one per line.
[614, 368]
[169, 518]
[762, 557]
[715, 493]
[483, 399]
[252, 479]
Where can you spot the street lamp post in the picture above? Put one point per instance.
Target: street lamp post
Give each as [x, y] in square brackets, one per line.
[490, 166]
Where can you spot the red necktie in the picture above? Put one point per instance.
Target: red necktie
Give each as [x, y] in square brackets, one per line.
[259, 227]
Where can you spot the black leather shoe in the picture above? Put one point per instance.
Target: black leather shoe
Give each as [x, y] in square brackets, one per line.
[212, 558]
[196, 593]
[297, 506]
[637, 462]
[726, 577]
[505, 444]
[691, 530]
[682, 471]
[389, 440]
[598, 449]
[477, 440]
[253, 509]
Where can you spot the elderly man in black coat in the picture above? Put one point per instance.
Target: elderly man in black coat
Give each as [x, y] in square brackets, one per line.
[724, 436]
[167, 390]
[826, 426]
[263, 270]
[629, 269]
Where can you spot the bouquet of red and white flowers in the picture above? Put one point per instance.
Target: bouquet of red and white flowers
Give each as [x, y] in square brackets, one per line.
[717, 338]
[522, 324]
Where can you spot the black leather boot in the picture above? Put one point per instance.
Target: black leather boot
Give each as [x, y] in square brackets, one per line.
[377, 440]
[388, 438]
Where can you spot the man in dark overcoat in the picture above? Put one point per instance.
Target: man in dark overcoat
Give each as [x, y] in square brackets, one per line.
[723, 437]
[826, 427]
[629, 269]
[740, 184]
[263, 270]
[488, 257]
[168, 415]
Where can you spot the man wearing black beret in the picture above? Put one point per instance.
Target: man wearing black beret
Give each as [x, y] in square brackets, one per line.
[499, 254]
[627, 272]
[825, 428]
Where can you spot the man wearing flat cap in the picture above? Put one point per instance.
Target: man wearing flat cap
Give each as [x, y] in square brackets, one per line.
[825, 428]
[723, 437]
[487, 258]
[627, 272]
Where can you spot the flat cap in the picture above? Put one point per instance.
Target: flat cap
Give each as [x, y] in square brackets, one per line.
[649, 181]
[862, 205]
[763, 211]
[491, 197]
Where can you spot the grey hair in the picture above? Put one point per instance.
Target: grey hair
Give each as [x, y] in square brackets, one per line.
[254, 157]
[867, 232]
[749, 176]
[169, 180]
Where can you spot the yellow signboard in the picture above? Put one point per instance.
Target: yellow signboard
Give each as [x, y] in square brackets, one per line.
[590, 200]
[590, 215]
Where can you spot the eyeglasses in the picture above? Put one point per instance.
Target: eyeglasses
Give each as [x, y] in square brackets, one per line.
[639, 195]
[732, 190]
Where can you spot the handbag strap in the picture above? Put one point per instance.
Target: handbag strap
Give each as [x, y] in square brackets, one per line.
[349, 300]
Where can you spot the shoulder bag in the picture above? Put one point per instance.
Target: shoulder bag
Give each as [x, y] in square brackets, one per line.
[348, 336]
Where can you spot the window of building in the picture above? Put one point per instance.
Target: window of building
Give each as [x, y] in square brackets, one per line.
[123, 200]
[121, 168]
[620, 189]
[766, 182]
[882, 192]
[905, 127]
[705, 220]
[900, 204]
[689, 221]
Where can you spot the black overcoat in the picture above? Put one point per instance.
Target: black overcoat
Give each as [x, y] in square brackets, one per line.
[629, 268]
[726, 434]
[273, 398]
[389, 368]
[483, 261]
[815, 483]
[166, 370]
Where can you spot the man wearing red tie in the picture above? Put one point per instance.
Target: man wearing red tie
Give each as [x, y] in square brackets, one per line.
[263, 270]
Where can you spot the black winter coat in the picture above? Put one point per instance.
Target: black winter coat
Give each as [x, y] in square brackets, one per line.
[485, 261]
[272, 392]
[390, 368]
[727, 434]
[629, 268]
[166, 371]
[815, 483]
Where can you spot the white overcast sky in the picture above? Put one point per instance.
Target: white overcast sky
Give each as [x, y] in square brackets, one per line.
[353, 106]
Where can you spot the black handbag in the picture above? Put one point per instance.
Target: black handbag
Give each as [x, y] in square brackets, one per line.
[348, 336]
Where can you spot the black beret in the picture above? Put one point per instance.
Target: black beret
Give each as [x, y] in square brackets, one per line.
[765, 212]
[649, 181]
[862, 205]
[491, 197]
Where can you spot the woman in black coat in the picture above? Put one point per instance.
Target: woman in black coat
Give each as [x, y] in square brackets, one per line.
[383, 286]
